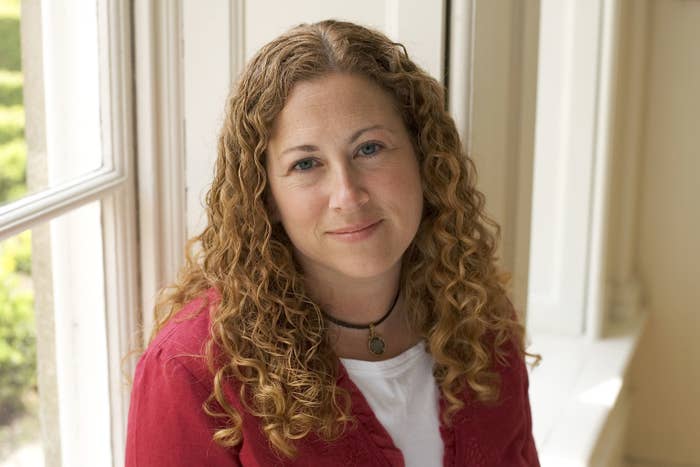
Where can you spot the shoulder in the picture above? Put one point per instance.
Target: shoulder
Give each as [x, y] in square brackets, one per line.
[499, 433]
[189, 328]
[167, 423]
[179, 347]
[508, 354]
[508, 373]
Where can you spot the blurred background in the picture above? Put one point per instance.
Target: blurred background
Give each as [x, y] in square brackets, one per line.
[583, 118]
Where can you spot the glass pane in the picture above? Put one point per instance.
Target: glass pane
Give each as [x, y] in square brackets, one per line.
[53, 352]
[49, 95]
[20, 442]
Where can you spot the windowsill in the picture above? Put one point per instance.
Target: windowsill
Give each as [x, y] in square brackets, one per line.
[574, 390]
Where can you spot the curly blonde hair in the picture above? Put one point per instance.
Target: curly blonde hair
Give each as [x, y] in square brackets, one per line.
[271, 334]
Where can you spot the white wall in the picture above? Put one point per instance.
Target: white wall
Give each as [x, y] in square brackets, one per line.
[665, 415]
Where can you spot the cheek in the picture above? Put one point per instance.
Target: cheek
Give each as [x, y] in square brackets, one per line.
[407, 188]
[298, 209]
[412, 195]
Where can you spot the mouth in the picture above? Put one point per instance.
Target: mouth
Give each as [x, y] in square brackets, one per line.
[354, 228]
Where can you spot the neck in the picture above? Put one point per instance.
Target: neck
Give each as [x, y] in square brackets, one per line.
[362, 301]
[354, 300]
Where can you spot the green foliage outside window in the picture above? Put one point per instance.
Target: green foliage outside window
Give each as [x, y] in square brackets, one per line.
[17, 346]
[17, 327]
[13, 162]
[16, 254]
[13, 149]
[17, 330]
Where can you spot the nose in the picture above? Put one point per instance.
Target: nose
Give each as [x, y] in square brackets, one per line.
[347, 191]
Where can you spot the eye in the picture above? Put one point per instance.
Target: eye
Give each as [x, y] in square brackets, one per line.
[369, 149]
[304, 165]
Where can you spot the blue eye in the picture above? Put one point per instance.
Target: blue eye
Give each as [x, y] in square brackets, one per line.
[304, 164]
[369, 149]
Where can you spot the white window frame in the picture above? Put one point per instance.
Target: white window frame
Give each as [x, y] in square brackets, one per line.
[159, 81]
[114, 186]
[493, 61]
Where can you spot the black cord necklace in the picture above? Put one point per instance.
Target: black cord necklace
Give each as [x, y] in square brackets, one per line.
[375, 342]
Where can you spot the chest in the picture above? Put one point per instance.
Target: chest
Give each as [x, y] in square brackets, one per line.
[467, 442]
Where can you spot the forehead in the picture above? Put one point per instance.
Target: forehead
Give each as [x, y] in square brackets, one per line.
[334, 103]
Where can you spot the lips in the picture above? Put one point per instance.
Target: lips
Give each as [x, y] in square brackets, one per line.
[354, 228]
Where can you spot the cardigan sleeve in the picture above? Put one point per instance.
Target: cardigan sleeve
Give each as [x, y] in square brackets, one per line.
[167, 425]
[529, 453]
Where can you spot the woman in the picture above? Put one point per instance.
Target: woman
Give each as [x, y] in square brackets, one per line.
[344, 307]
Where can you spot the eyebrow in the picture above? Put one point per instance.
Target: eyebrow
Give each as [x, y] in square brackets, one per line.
[352, 139]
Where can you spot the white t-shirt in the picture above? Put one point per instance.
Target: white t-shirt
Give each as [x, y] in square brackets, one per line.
[403, 395]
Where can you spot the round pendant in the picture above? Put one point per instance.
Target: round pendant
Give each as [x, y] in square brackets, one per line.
[376, 345]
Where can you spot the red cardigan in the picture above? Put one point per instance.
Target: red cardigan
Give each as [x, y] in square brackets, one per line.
[167, 426]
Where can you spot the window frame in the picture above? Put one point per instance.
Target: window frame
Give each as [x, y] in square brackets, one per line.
[114, 185]
[160, 134]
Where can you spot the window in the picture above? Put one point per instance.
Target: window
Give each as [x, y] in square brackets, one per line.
[67, 226]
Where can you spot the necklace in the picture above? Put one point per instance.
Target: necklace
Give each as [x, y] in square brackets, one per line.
[375, 343]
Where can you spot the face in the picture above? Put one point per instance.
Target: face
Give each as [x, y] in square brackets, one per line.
[344, 178]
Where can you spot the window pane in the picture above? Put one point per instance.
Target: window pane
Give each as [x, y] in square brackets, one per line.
[53, 362]
[19, 398]
[50, 128]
